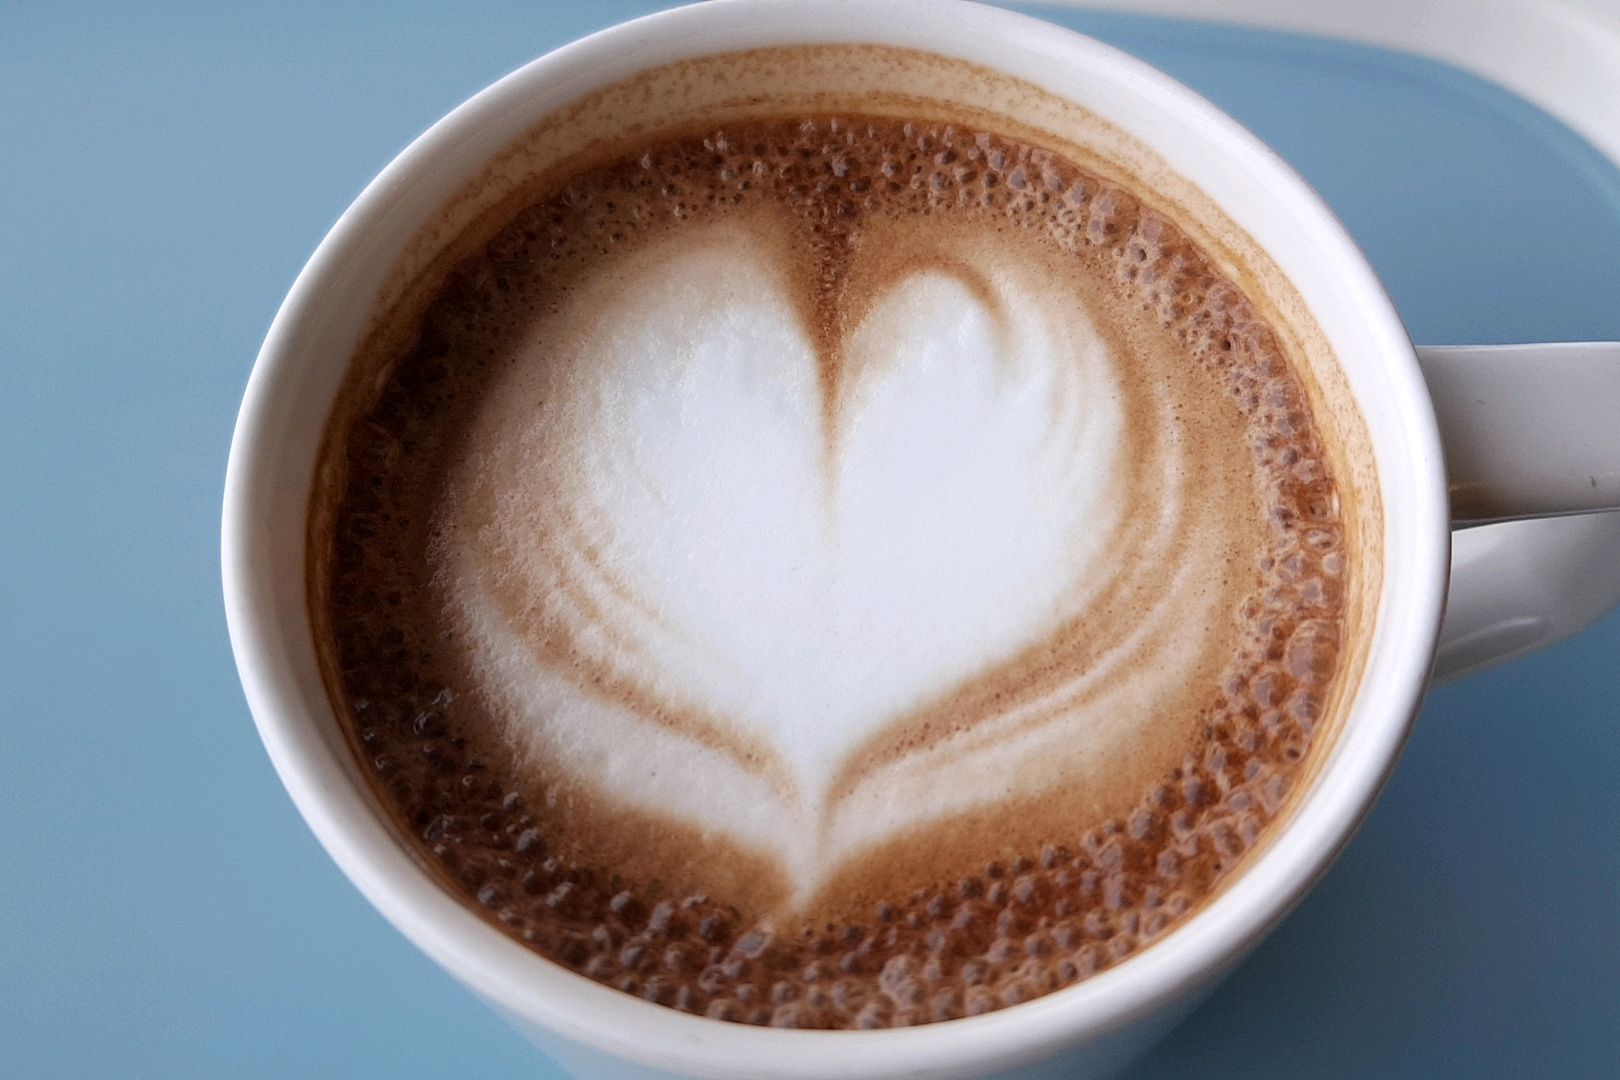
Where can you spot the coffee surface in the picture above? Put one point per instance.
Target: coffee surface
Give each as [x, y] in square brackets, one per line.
[835, 571]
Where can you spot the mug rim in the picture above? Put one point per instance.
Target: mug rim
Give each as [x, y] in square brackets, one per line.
[523, 984]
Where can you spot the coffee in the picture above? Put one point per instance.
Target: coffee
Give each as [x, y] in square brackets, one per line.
[833, 570]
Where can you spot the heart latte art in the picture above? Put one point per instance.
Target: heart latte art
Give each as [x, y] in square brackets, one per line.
[802, 578]
[836, 542]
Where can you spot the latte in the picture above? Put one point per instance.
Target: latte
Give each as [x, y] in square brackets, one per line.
[833, 570]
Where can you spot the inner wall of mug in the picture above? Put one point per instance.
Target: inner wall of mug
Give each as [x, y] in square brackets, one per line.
[707, 93]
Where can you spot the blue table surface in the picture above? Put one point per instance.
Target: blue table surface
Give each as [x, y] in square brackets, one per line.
[164, 172]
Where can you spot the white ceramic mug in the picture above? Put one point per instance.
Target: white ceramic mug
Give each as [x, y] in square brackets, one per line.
[1521, 431]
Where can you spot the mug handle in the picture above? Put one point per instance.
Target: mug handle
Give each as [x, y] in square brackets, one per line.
[1529, 432]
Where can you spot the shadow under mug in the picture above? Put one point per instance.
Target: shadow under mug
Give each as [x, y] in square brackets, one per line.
[1459, 436]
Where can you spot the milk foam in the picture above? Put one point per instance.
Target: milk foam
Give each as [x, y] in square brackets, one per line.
[832, 573]
[695, 582]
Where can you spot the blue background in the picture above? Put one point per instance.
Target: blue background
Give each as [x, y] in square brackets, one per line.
[165, 171]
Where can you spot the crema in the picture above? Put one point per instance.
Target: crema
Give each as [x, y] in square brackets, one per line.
[834, 570]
